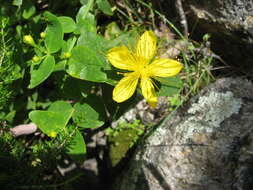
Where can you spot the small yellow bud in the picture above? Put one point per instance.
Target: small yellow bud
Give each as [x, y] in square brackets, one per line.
[28, 39]
[42, 34]
[35, 59]
[36, 162]
[52, 134]
[67, 55]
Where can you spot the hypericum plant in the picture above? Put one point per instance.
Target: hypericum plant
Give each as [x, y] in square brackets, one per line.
[144, 66]
[76, 50]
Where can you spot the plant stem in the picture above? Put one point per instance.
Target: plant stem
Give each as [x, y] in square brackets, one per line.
[88, 8]
[163, 17]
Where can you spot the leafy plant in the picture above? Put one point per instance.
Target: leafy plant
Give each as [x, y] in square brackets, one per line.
[55, 73]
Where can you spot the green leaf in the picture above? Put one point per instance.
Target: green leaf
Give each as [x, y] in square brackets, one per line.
[43, 72]
[105, 7]
[84, 2]
[85, 21]
[170, 86]
[93, 41]
[86, 64]
[29, 10]
[125, 38]
[17, 2]
[67, 23]
[77, 148]
[54, 119]
[68, 46]
[54, 33]
[85, 116]
[71, 43]
[60, 66]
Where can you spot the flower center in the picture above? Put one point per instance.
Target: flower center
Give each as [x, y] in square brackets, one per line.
[141, 66]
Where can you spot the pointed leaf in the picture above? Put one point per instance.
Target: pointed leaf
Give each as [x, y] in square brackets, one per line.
[54, 33]
[105, 7]
[85, 20]
[86, 64]
[77, 147]
[29, 10]
[67, 23]
[85, 116]
[54, 119]
[43, 72]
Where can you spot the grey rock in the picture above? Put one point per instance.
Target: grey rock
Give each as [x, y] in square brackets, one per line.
[230, 23]
[206, 144]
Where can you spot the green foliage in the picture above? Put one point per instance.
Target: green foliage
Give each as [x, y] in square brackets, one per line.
[105, 7]
[43, 72]
[27, 166]
[29, 10]
[54, 73]
[86, 117]
[77, 148]
[170, 86]
[54, 33]
[84, 63]
[67, 23]
[122, 138]
[9, 70]
[54, 119]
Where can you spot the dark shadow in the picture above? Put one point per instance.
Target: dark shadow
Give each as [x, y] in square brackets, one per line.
[157, 175]
[22, 169]
[138, 175]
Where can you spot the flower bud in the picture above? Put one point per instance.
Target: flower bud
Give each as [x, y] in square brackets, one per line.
[35, 59]
[42, 34]
[28, 39]
[67, 55]
[52, 134]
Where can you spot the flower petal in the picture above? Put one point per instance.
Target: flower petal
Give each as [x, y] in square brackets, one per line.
[146, 46]
[126, 87]
[164, 68]
[148, 91]
[121, 58]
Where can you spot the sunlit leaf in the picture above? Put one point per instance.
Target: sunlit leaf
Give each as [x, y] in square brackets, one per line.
[85, 21]
[86, 117]
[54, 119]
[60, 66]
[67, 23]
[43, 72]
[54, 33]
[86, 64]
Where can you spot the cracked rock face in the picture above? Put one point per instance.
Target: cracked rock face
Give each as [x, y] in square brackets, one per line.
[207, 144]
[230, 23]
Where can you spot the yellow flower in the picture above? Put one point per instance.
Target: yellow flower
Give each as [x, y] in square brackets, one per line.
[144, 66]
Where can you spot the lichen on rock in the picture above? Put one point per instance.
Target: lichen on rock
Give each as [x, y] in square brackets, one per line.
[210, 111]
[206, 144]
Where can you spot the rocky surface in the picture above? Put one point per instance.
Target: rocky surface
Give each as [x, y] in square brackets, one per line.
[143, 112]
[230, 23]
[207, 144]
